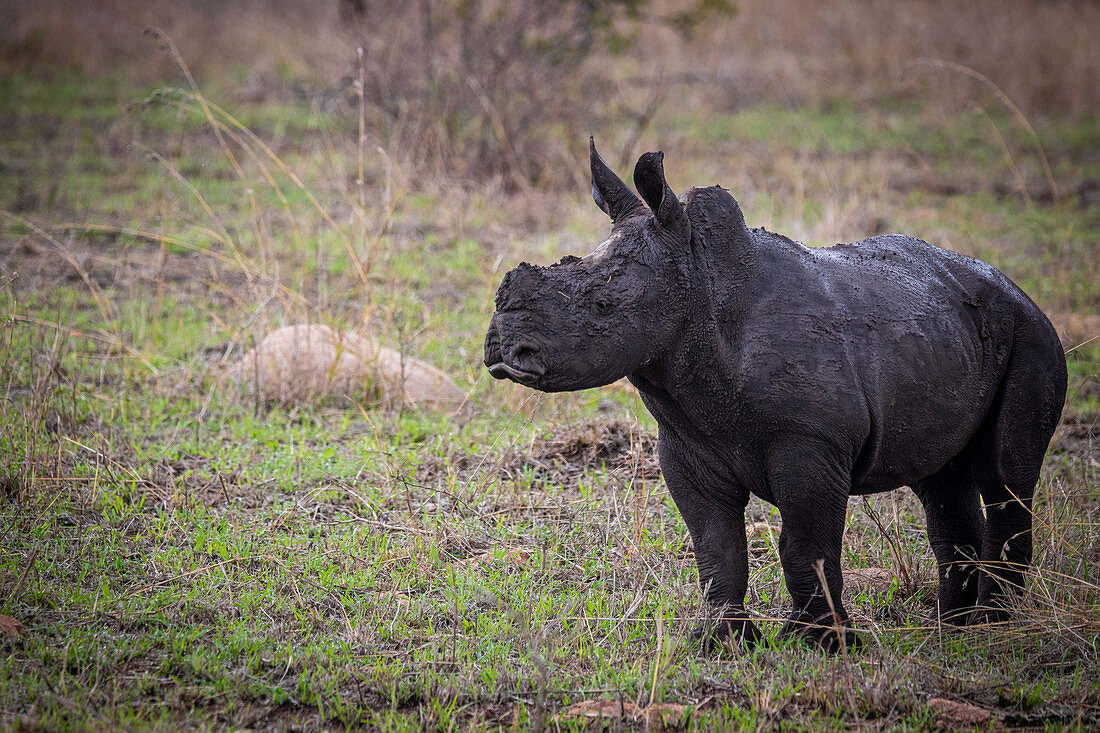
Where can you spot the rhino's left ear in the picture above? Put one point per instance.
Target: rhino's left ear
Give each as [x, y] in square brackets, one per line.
[649, 179]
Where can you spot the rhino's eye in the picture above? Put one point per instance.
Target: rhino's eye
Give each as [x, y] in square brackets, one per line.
[603, 305]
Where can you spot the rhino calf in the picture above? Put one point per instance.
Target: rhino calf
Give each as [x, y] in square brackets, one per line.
[802, 376]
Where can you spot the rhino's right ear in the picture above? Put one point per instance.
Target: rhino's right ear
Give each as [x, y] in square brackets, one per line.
[608, 191]
[649, 177]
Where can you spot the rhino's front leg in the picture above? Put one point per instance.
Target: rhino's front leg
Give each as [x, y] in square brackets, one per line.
[811, 489]
[715, 516]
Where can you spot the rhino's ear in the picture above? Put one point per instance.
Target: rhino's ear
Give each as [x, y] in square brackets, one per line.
[649, 179]
[608, 190]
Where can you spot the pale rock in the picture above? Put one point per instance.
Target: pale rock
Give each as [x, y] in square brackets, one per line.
[302, 363]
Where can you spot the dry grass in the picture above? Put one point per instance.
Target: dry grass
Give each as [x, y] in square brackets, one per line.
[268, 37]
[1041, 54]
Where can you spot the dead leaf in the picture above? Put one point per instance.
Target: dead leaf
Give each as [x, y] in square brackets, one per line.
[665, 711]
[515, 556]
[870, 579]
[593, 709]
[11, 628]
[599, 709]
[396, 597]
[954, 714]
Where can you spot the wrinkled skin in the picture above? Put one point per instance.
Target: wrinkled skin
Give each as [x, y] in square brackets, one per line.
[802, 376]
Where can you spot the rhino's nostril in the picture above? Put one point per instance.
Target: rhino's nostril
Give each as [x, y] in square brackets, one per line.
[524, 355]
[522, 350]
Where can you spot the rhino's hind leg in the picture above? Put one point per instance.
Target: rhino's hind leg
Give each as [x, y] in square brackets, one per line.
[1026, 414]
[955, 525]
[1006, 548]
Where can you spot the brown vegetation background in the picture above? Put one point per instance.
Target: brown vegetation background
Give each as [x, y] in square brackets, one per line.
[1042, 53]
[471, 89]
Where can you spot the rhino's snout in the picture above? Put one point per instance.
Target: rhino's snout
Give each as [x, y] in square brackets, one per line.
[493, 353]
[519, 361]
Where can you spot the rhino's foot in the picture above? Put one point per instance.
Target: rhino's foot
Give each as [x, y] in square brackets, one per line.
[988, 615]
[958, 616]
[712, 635]
[822, 633]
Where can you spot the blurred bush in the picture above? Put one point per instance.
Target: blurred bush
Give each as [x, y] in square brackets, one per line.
[497, 87]
[473, 89]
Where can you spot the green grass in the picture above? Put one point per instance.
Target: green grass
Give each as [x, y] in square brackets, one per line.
[182, 557]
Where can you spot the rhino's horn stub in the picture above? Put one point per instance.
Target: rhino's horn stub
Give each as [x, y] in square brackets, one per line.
[608, 191]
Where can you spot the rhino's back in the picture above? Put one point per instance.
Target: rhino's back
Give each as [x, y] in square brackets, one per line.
[895, 262]
[890, 346]
[889, 274]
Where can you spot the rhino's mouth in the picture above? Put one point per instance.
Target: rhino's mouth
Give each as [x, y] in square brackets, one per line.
[519, 362]
[501, 370]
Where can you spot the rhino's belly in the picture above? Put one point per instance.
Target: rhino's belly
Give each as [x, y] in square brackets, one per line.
[917, 433]
[905, 466]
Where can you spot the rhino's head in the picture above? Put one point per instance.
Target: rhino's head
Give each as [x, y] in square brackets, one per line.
[585, 322]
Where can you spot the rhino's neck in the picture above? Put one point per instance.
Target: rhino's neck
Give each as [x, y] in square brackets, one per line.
[725, 273]
[724, 251]
[726, 263]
